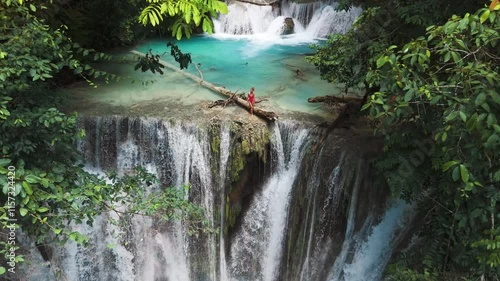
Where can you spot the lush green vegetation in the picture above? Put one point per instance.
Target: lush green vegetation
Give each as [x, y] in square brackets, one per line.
[44, 185]
[432, 84]
[183, 14]
[432, 87]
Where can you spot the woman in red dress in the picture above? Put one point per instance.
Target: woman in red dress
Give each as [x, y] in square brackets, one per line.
[251, 99]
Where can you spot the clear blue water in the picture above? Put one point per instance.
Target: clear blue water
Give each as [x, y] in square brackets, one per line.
[235, 62]
[243, 62]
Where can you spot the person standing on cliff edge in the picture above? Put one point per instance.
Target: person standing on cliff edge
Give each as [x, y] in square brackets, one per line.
[251, 99]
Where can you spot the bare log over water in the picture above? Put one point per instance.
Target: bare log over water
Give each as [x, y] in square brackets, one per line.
[266, 115]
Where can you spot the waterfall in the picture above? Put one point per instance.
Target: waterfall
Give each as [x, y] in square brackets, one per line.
[255, 253]
[244, 19]
[315, 254]
[179, 155]
[280, 186]
[372, 255]
[327, 21]
[264, 23]
[309, 218]
[224, 157]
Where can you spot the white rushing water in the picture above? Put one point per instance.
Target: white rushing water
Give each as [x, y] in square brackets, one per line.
[374, 252]
[257, 248]
[280, 187]
[147, 249]
[224, 149]
[265, 24]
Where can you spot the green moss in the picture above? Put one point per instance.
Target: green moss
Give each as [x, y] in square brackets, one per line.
[245, 147]
[247, 143]
[215, 144]
[232, 212]
[238, 162]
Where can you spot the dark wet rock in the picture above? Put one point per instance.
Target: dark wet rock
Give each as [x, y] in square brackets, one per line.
[288, 27]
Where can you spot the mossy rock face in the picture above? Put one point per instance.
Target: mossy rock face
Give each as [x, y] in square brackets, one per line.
[247, 166]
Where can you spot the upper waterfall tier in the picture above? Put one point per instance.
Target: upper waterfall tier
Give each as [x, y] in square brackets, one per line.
[311, 20]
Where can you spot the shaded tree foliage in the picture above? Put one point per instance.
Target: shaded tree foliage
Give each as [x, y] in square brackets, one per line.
[152, 62]
[183, 59]
[431, 81]
[443, 88]
[44, 185]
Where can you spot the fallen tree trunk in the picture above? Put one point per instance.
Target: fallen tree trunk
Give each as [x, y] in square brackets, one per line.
[267, 115]
[344, 106]
[334, 99]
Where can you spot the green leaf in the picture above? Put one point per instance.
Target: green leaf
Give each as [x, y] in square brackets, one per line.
[491, 120]
[179, 34]
[455, 174]
[480, 99]
[463, 116]
[27, 188]
[2, 270]
[435, 100]
[444, 136]
[484, 16]
[495, 96]
[448, 165]
[32, 179]
[447, 57]
[381, 61]
[464, 173]
[492, 140]
[4, 162]
[476, 213]
[451, 116]
[23, 212]
[206, 26]
[42, 209]
[187, 16]
[32, 7]
[408, 96]
[44, 182]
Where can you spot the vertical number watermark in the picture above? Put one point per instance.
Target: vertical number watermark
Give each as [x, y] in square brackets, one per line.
[11, 220]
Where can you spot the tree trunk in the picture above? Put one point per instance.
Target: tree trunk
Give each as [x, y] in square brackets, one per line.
[334, 99]
[267, 115]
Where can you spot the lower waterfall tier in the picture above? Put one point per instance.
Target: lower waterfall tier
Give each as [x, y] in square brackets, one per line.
[290, 202]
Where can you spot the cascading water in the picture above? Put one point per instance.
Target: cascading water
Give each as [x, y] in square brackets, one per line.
[310, 20]
[245, 18]
[373, 253]
[256, 251]
[224, 157]
[303, 198]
